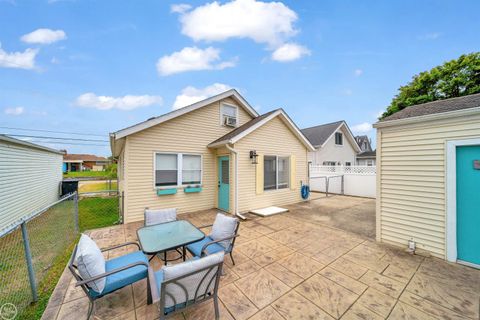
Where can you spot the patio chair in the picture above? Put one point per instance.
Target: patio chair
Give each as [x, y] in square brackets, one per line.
[159, 216]
[98, 277]
[221, 238]
[181, 286]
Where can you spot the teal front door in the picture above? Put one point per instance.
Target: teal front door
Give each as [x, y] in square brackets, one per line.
[223, 183]
[468, 204]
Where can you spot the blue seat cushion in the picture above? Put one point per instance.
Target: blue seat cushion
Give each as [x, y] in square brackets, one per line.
[196, 247]
[125, 277]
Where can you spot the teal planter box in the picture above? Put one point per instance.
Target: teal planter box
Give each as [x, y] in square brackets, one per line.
[162, 192]
[192, 189]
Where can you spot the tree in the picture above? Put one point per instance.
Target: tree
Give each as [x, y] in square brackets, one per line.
[454, 78]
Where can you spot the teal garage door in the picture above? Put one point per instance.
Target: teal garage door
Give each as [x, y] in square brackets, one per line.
[468, 204]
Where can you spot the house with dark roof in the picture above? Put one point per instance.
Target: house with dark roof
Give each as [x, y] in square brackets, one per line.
[334, 144]
[83, 162]
[428, 178]
[216, 153]
[367, 156]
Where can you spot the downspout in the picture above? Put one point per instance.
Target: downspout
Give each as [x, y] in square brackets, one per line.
[235, 196]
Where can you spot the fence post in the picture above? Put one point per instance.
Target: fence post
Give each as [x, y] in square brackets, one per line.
[28, 257]
[75, 205]
[343, 184]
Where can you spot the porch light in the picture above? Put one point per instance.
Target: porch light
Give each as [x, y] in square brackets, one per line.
[253, 156]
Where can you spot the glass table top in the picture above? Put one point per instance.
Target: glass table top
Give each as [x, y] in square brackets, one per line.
[170, 235]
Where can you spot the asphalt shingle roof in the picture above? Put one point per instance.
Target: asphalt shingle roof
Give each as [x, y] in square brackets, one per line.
[319, 134]
[439, 106]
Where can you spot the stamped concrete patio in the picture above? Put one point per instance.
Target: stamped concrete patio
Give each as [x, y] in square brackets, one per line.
[301, 265]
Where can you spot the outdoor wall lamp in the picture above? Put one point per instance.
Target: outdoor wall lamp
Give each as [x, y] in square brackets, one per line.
[253, 156]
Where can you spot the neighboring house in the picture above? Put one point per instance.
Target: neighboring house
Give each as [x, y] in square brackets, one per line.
[334, 144]
[428, 178]
[367, 156]
[30, 177]
[203, 156]
[83, 162]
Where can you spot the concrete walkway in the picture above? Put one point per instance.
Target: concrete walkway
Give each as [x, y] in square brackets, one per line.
[301, 265]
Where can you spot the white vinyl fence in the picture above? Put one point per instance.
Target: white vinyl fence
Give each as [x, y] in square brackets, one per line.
[352, 180]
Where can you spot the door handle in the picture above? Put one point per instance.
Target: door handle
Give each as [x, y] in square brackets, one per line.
[219, 184]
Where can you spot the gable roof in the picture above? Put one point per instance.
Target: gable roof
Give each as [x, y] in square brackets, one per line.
[250, 126]
[82, 157]
[436, 107]
[319, 135]
[232, 93]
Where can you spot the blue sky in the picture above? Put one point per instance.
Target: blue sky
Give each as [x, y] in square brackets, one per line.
[94, 67]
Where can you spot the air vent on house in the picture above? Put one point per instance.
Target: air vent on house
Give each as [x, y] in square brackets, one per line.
[230, 121]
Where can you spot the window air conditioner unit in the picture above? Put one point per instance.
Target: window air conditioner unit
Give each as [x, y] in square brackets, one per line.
[230, 121]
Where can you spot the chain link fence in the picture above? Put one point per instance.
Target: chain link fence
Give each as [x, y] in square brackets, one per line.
[29, 249]
[99, 209]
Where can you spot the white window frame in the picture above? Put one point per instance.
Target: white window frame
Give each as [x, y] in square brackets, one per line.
[276, 173]
[335, 137]
[179, 169]
[221, 112]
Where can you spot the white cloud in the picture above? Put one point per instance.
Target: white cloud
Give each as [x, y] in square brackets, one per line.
[128, 102]
[190, 95]
[263, 22]
[358, 72]
[192, 59]
[180, 8]
[289, 52]
[362, 127]
[44, 36]
[14, 111]
[21, 60]
[430, 36]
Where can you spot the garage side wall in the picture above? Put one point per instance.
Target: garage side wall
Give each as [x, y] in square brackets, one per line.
[411, 171]
[29, 180]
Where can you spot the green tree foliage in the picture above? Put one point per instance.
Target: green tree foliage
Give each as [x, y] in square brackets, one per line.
[454, 78]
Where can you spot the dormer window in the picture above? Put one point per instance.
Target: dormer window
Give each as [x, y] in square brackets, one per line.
[229, 115]
[339, 138]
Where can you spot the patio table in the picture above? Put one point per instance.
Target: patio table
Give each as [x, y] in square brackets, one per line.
[168, 236]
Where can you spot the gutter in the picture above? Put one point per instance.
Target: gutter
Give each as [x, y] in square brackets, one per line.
[235, 196]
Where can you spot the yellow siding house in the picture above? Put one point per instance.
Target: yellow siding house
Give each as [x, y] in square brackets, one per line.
[216, 153]
[428, 178]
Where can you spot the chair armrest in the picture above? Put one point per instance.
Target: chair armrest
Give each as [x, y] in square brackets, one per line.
[153, 285]
[216, 241]
[121, 245]
[203, 227]
[106, 274]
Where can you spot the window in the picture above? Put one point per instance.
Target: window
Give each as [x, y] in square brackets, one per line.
[339, 138]
[370, 163]
[174, 169]
[348, 164]
[276, 172]
[329, 163]
[228, 115]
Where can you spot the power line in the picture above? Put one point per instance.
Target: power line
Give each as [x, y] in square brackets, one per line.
[69, 143]
[50, 131]
[56, 138]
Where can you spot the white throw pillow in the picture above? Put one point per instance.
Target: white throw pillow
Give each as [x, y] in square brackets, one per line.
[223, 227]
[190, 283]
[90, 262]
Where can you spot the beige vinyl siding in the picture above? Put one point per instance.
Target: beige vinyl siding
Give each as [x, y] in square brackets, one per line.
[273, 138]
[412, 199]
[189, 133]
[29, 180]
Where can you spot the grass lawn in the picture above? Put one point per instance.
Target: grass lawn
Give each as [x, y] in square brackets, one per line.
[83, 174]
[94, 187]
[52, 239]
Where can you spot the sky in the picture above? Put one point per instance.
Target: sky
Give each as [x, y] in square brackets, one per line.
[93, 67]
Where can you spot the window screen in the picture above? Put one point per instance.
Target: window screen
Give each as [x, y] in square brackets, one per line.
[269, 172]
[229, 111]
[283, 172]
[166, 169]
[191, 169]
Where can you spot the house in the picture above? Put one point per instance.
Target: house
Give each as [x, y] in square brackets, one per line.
[334, 144]
[367, 156]
[83, 162]
[30, 177]
[216, 153]
[428, 178]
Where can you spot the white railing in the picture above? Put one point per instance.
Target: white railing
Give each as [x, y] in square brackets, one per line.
[355, 180]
